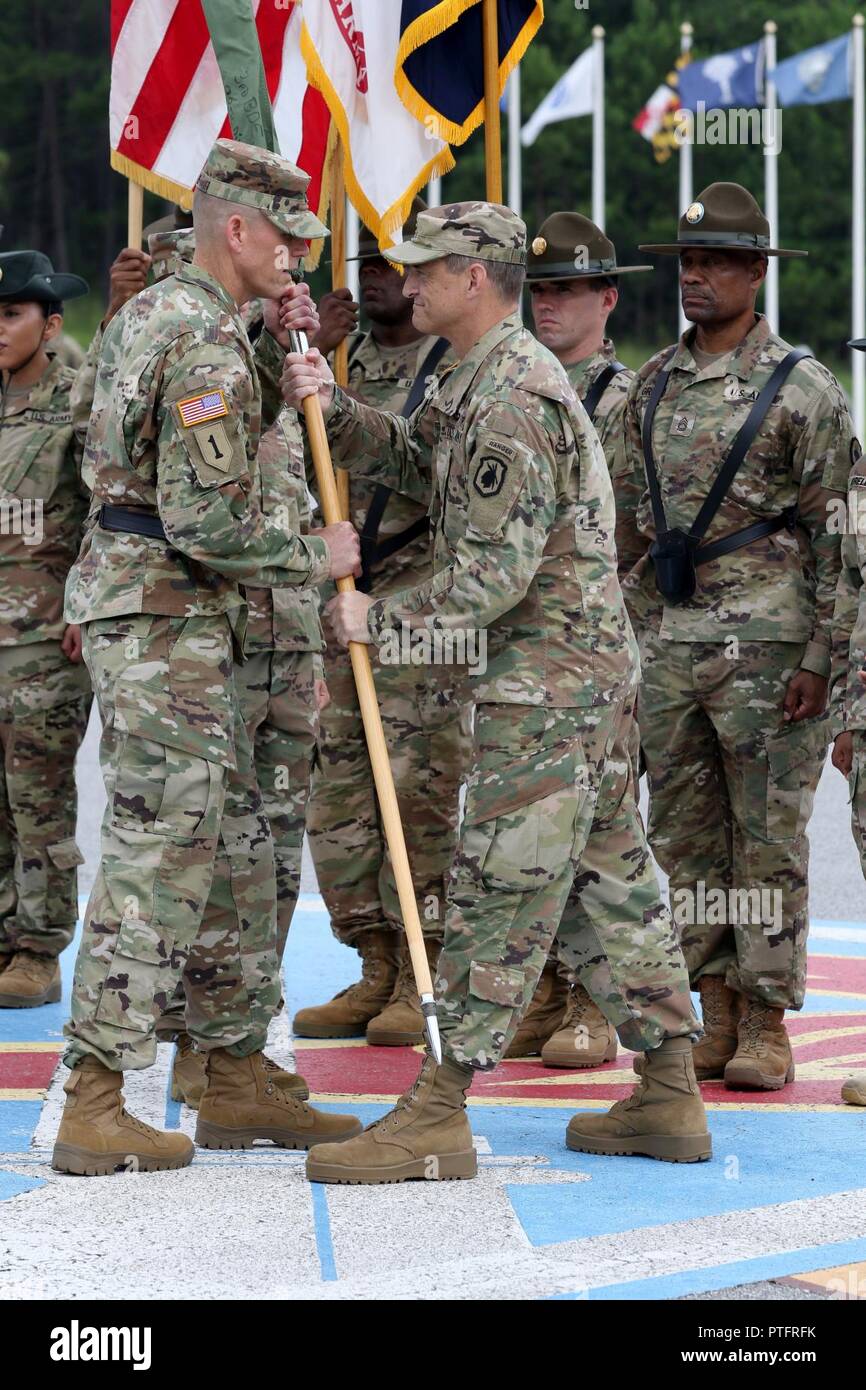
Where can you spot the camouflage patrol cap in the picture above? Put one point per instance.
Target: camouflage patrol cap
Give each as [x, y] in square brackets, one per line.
[169, 249]
[570, 247]
[256, 178]
[725, 217]
[483, 231]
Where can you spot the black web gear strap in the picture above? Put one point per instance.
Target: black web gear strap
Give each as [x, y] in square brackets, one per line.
[373, 552]
[727, 472]
[600, 385]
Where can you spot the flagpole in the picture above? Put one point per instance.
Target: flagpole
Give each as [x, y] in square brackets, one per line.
[434, 192]
[771, 175]
[686, 175]
[515, 192]
[353, 233]
[134, 214]
[492, 141]
[598, 170]
[858, 229]
[338, 280]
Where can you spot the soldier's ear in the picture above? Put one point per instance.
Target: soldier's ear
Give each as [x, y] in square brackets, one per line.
[235, 231]
[53, 326]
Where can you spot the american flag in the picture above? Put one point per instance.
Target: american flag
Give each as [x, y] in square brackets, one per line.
[209, 406]
[167, 102]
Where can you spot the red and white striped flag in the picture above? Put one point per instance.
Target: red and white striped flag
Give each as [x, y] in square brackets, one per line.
[168, 104]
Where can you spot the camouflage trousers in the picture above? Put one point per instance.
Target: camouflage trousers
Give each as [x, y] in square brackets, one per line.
[552, 845]
[731, 792]
[44, 706]
[277, 699]
[425, 718]
[857, 786]
[186, 856]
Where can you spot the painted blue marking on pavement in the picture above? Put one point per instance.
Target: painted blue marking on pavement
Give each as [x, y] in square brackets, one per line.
[12, 1184]
[322, 1226]
[18, 1119]
[172, 1107]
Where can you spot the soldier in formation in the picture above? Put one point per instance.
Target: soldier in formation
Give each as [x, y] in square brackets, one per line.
[523, 519]
[44, 687]
[573, 277]
[738, 448]
[175, 528]
[422, 707]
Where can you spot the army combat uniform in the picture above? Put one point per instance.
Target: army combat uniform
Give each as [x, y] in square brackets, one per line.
[562, 1023]
[175, 430]
[523, 519]
[732, 784]
[44, 697]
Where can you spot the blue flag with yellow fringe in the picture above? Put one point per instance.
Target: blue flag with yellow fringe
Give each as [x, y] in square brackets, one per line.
[440, 59]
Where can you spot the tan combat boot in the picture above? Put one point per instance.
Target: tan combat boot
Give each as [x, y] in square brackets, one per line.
[763, 1060]
[290, 1081]
[188, 1072]
[426, 1135]
[584, 1038]
[30, 980]
[401, 1022]
[544, 1015]
[854, 1090]
[349, 1012]
[664, 1116]
[719, 1008]
[242, 1104]
[97, 1135]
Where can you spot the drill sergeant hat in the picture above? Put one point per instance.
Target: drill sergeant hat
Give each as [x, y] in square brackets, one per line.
[724, 217]
[482, 231]
[28, 276]
[570, 247]
[256, 178]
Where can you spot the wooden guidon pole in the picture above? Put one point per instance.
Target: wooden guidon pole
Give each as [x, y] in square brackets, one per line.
[492, 142]
[382, 775]
[338, 281]
[135, 215]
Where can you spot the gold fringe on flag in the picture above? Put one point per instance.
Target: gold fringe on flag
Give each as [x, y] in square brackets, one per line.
[430, 26]
[385, 226]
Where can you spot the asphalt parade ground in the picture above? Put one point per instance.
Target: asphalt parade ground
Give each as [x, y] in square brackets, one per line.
[778, 1213]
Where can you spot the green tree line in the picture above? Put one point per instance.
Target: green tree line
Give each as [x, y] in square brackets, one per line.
[58, 192]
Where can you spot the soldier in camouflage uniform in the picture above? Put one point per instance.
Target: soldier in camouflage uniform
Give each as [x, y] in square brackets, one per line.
[278, 686]
[523, 519]
[44, 687]
[423, 708]
[848, 675]
[732, 704]
[175, 526]
[573, 277]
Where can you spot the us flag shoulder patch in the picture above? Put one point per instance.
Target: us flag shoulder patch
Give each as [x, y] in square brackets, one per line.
[210, 405]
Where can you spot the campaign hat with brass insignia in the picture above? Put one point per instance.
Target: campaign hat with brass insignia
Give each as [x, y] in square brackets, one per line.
[483, 231]
[256, 178]
[368, 246]
[570, 247]
[28, 276]
[724, 217]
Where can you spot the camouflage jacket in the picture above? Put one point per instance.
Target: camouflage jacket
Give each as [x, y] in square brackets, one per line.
[781, 587]
[175, 429]
[610, 411]
[522, 516]
[283, 619]
[43, 504]
[848, 696]
[383, 377]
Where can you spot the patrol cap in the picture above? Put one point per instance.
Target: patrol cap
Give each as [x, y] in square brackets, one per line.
[169, 248]
[726, 217]
[29, 275]
[174, 221]
[368, 246]
[256, 178]
[570, 247]
[484, 231]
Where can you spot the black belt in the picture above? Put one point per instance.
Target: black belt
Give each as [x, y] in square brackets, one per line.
[135, 523]
[786, 520]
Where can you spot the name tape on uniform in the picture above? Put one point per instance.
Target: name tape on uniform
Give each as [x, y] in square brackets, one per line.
[209, 405]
